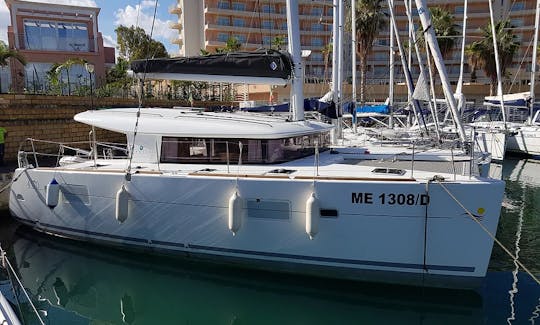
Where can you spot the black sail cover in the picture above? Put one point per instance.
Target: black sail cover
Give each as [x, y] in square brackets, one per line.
[261, 63]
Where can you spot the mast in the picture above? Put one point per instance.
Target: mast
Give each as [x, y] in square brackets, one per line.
[533, 63]
[406, 71]
[497, 62]
[353, 60]
[429, 34]
[297, 81]
[340, 64]
[335, 76]
[391, 79]
[459, 86]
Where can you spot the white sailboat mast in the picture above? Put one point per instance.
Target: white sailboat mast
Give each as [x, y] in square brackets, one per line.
[429, 34]
[459, 87]
[391, 79]
[497, 62]
[353, 60]
[533, 60]
[353, 49]
[406, 71]
[297, 82]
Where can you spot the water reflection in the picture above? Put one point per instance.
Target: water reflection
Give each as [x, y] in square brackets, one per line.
[95, 283]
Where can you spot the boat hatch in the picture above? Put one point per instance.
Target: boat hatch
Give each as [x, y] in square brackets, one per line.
[393, 171]
[281, 171]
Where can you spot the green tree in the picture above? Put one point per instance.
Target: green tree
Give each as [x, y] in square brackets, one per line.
[442, 22]
[135, 44]
[6, 54]
[116, 79]
[232, 45]
[326, 52]
[482, 55]
[369, 22]
[278, 42]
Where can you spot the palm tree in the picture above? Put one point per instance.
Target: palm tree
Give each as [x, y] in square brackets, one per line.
[326, 51]
[370, 20]
[442, 22]
[67, 65]
[6, 54]
[278, 42]
[482, 55]
[232, 45]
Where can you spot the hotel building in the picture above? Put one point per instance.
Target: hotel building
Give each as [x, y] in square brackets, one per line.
[208, 24]
[48, 33]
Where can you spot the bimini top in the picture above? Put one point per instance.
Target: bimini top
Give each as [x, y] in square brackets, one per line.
[185, 123]
[259, 67]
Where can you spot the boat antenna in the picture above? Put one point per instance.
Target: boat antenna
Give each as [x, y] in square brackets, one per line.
[141, 85]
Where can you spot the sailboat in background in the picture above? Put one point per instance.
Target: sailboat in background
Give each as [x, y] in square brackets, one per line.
[523, 125]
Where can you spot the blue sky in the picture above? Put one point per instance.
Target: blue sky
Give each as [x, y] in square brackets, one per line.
[118, 12]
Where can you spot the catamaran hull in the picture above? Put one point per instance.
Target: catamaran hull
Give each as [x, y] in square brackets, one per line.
[383, 230]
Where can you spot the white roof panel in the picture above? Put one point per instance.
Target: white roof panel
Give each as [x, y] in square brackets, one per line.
[186, 123]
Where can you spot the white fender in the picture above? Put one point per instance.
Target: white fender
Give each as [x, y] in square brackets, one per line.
[52, 193]
[313, 214]
[236, 210]
[122, 200]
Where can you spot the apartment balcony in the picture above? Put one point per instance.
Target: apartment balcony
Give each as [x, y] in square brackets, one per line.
[177, 40]
[175, 25]
[175, 9]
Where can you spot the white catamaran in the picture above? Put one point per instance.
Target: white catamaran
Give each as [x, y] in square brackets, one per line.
[261, 192]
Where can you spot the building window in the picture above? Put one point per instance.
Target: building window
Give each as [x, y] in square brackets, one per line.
[517, 6]
[459, 10]
[267, 40]
[284, 25]
[36, 77]
[56, 36]
[381, 56]
[240, 38]
[316, 27]
[316, 41]
[268, 9]
[223, 37]
[316, 11]
[223, 5]
[239, 6]
[267, 24]
[516, 22]
[223, 21]
[318, 57]
[380, 71]
[239, 22]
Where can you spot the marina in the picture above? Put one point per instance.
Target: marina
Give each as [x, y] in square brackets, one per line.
[81, 283]
[227, 211]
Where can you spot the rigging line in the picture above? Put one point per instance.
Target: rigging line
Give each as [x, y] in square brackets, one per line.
[520, 65]
[8, 266]
[516, 260]
[128, 171]
[260, 22]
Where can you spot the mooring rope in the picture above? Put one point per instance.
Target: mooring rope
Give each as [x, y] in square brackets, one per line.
[489, 233]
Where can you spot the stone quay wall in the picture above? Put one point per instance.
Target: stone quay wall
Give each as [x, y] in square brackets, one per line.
[50, 118]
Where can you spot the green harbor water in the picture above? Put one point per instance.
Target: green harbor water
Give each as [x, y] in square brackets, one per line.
[77, 283]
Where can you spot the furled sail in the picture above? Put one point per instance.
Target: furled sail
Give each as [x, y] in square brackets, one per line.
[259, 67]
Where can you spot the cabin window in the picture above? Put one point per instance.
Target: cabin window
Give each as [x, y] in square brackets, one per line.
[254, 151]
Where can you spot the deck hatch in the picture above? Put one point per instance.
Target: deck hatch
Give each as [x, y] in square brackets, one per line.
[392, 171]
